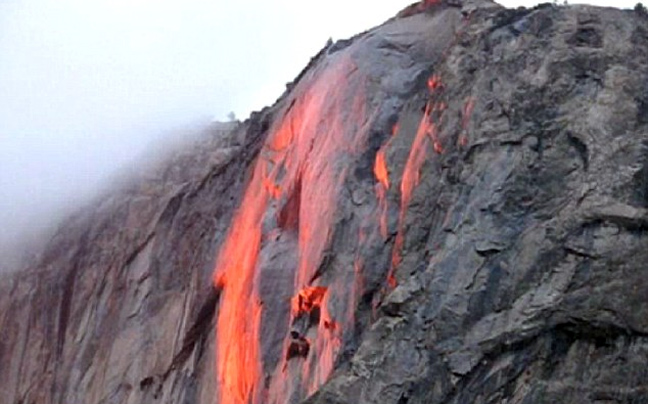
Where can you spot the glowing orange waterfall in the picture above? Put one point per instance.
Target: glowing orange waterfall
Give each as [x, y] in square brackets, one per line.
[426, 134]
[287, 222]
[299, 174]
[382, 175]
[239, 366]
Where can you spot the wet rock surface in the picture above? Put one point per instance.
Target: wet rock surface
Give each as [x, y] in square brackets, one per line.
[495, 252]
[120, 307]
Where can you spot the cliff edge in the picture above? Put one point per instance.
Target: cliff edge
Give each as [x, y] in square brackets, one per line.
[451, 207]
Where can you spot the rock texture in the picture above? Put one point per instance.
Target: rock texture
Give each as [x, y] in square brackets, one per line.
[449, 208]
[119, 307]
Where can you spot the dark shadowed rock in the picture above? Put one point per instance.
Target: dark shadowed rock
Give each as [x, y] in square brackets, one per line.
[486, 237]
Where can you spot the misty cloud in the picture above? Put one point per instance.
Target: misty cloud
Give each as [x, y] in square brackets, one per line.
[87, 86]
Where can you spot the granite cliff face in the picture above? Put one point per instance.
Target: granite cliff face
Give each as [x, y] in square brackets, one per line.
[449, 208]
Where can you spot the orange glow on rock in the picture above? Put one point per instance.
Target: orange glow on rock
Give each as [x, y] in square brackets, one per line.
[412, 172]
[433, 82]
[381, 194]
[328, 345]
[239, 366]
[295, 187]
[380, 169]
[437, 147]
[391, 279]
[308, 299]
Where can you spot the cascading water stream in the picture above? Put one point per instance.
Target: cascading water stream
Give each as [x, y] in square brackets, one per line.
[287, 222]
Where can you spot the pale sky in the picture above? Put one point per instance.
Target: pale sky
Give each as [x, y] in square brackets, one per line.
[87, 85]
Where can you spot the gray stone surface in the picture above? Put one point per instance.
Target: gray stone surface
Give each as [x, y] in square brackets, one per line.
[523, 275]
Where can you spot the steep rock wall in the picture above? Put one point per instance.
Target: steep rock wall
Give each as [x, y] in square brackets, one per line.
[451, 207]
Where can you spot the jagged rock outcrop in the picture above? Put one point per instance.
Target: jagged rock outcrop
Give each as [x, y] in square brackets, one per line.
[449, 208]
